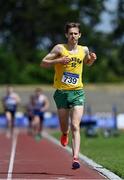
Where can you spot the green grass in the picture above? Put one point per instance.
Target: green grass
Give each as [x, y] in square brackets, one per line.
[108, 152]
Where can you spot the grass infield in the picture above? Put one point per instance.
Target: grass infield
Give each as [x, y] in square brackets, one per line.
[108, 152]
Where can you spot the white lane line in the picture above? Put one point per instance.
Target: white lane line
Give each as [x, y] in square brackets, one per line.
[103, 171]
[12, 157]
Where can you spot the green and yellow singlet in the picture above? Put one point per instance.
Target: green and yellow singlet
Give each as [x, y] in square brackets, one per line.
[69, 76]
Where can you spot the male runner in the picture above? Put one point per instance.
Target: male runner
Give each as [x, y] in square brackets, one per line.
[38, 104]
[10, 103]
[68, 60]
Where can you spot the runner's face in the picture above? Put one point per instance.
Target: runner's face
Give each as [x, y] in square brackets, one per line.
[38, 93]
[9, 90]
[73, 35]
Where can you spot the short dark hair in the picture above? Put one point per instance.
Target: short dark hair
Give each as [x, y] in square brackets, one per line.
[71, 25]
[38, 89]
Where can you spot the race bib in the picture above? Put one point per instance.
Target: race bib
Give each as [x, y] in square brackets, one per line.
[70, 78]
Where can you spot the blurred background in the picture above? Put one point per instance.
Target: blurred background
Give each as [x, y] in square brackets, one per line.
[29, 29]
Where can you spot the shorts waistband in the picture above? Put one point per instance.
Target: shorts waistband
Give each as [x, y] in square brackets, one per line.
[62, 90]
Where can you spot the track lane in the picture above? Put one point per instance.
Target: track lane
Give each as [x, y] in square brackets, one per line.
[45, 160]
[5, 150]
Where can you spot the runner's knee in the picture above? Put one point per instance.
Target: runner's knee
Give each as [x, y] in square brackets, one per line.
[75, 127]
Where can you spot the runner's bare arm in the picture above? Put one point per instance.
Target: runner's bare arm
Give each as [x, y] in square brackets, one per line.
[90, 57]
[18, 99]
[46, 104]
[3, 102]
[54, 57]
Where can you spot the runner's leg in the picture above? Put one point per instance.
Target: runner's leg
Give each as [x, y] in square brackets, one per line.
[64, 120]
[76, 115]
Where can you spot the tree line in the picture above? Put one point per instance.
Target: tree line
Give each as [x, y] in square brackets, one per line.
[29, 29]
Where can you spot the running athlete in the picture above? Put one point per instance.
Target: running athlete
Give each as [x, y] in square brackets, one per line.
[38, 104]
[30, 113]
[68, 60]
[10, 103]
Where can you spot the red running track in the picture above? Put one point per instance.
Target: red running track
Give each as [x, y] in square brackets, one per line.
[5, 146]
[23, 158]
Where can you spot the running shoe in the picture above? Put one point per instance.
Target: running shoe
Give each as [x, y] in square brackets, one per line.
[64, 139]
[9, 134]
[75, 163]
[38, 137]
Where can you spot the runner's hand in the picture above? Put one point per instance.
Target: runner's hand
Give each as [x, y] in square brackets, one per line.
[92, 56]
[64, 60]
